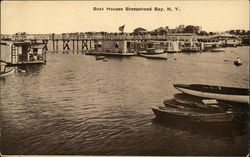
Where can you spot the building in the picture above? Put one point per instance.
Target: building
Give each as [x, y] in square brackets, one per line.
[22, 52]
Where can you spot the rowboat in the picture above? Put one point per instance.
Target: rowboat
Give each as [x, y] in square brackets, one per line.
[219, 49]
[231, 94]
[237, 63]
[100, 57]
[109, 54]
[154, 55]
[183, 114]
[6, 73]
[194, 105]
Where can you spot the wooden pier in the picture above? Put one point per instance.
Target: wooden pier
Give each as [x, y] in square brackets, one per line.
[85, 42]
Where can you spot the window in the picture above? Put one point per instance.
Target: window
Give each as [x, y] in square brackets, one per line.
[116, 44]
[25, 49]
[128, 45]
[35, 49]
[150, 45]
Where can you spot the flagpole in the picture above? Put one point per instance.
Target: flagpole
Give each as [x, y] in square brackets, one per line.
[121, 28]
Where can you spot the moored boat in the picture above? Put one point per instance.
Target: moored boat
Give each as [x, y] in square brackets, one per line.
[219, 49]
[100, 57]
[183, 114]
[154, 55]
[6, 73]
[237, 63]
[109, 54]
[152, 49]
[231, 94]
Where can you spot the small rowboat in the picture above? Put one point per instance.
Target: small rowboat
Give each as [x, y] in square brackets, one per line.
[183, 114]
[100, 57]
[6, 73]
[219, 49]
[154, 55]
[208, 108]
[231, 94]
[237, 63]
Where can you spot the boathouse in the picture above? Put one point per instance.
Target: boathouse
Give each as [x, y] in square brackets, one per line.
[115, 47]
[191, 46]
[22, 52]
[171, 46]
[233, 41]
[150, 46]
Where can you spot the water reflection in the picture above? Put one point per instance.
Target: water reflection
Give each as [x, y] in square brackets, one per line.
[208, 130]
[77, 105]
[30, 69]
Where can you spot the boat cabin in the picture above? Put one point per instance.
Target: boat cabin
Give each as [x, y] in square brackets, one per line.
[233, 41]
[192, 46]
[211, 45]
[116, 47]
[22, 52]
[171, 46]
[150, 47]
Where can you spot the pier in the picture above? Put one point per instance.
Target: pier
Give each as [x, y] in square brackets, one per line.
[85, 42]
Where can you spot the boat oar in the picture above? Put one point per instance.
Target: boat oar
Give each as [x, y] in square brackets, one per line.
[233, 61]
[228, 60]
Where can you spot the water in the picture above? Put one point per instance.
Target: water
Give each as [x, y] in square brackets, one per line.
[79, 106]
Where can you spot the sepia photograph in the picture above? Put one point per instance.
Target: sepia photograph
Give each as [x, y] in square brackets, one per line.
[124, 78]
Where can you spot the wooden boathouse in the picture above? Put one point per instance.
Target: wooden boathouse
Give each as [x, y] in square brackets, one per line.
[15, 53]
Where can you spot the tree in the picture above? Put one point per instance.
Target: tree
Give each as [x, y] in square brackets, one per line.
[203, 33]
[212, 33]
[238, 32]
[139, 30]
[232, 32]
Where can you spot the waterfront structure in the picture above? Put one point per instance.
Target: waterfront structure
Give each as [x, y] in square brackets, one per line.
[246, 40]
[171, 46]
[191, 46]
[228, 40]
[233, 41]
[152, 49]
[118, 47]
[15, 53]
[84, 42]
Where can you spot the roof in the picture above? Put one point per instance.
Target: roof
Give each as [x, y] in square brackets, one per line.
[19, 42]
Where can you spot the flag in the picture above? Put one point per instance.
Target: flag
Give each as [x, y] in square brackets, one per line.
[121, 28]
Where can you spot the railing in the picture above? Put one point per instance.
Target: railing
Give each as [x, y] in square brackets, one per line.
[173, 37]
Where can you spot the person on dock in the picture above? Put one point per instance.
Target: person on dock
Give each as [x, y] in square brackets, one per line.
[29, 55]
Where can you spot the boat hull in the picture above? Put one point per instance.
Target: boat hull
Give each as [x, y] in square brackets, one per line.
[236, 97]
[176, 114]
[155, 56]
[237, 63]
[109, 54]
[3, 74]
[218, 50]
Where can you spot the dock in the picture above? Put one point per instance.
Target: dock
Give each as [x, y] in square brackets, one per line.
[86, 42]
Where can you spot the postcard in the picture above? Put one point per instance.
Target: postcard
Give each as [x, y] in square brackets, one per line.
[124, 78]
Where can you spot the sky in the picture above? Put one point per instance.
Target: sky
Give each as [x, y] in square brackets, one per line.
[36, 17]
